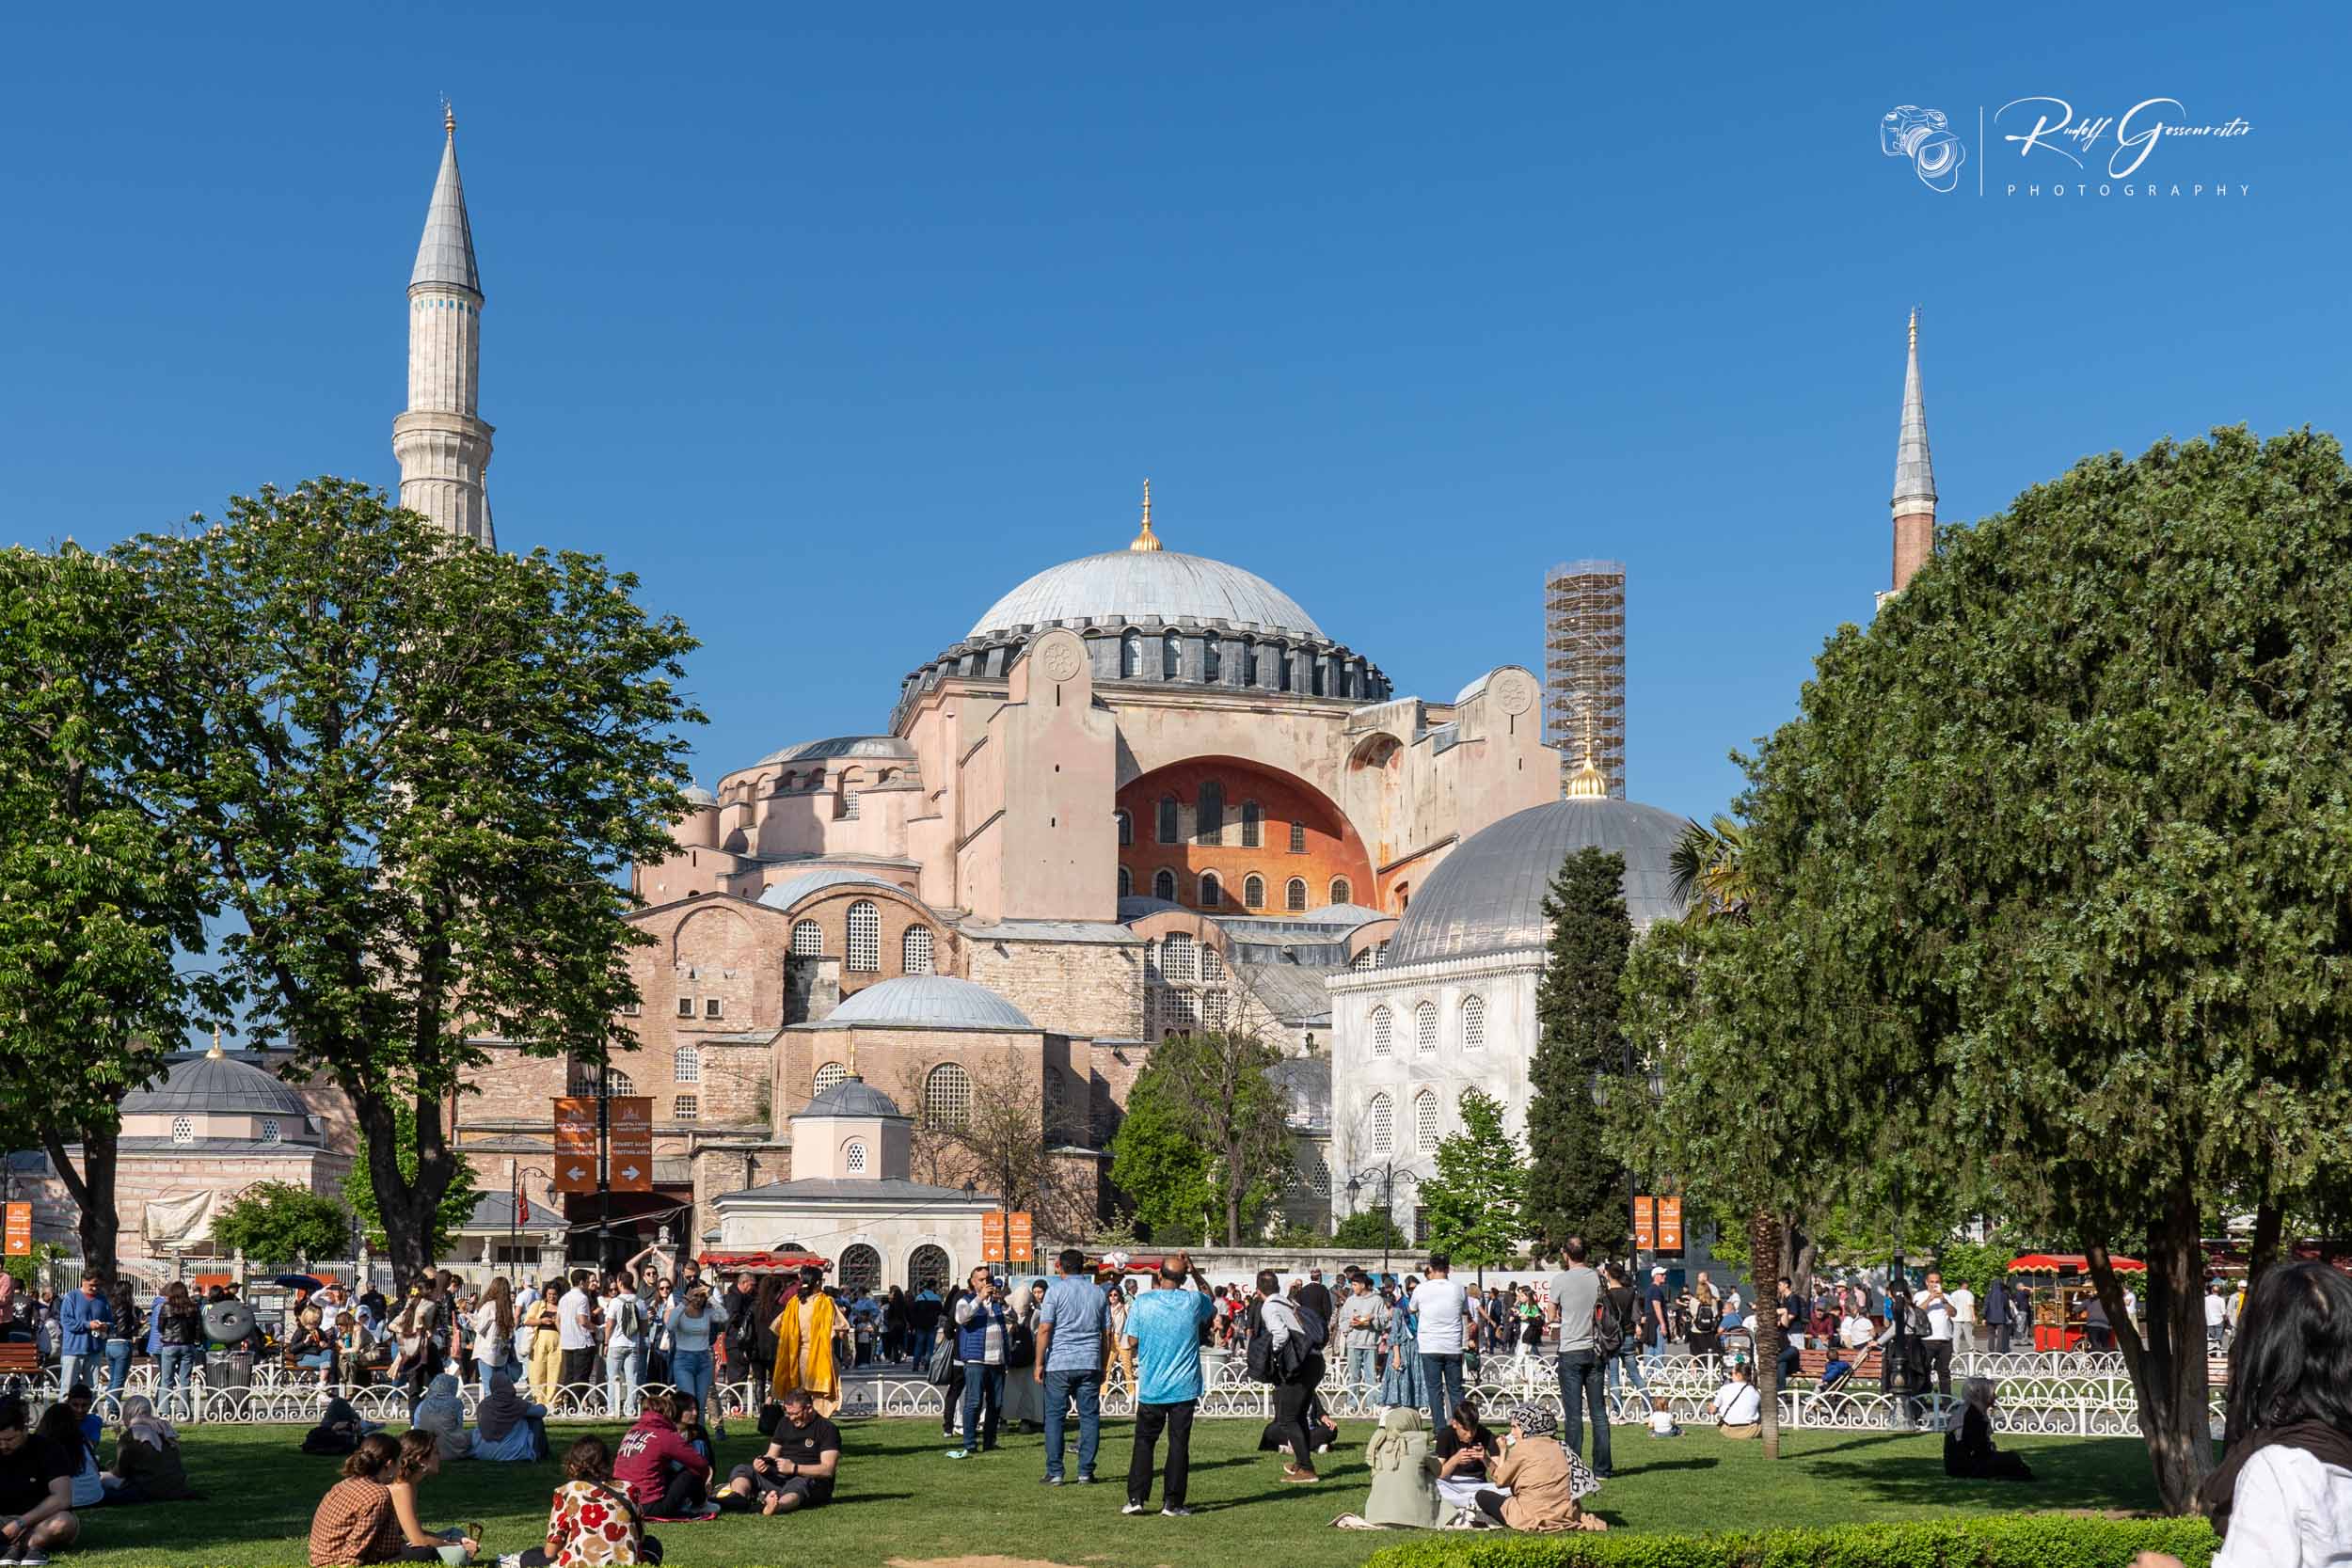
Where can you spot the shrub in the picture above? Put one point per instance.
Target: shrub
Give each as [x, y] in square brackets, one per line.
[2008, 1541]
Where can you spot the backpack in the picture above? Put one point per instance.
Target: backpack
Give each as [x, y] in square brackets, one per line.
[626, 1316]
[1267, 1364]
[1607, 1327]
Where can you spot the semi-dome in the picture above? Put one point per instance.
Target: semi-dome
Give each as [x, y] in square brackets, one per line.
[862, 747]
[1140, 585]
[783, 895]
[214, 1086]
[1487, 896]
[929, 1002]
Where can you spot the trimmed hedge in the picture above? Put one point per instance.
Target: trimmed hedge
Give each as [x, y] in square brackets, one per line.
[2002, 1541]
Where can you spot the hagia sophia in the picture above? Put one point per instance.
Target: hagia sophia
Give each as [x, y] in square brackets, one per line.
[1146, 792]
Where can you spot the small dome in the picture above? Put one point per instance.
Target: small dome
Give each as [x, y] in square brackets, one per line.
[783, 895]
[215, 1085]
[933, 1002]
[1487, 896]
[1140, 585]
[697, 796]
[882, 747]
[851, 1096]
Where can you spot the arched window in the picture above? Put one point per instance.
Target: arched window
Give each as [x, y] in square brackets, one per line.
[1298, 838]
[182, 1129]
[1171, 657]
[1212, 962]
[927, 1269]
[1362, 961]
[616, 1084]
[830, 1075]
[1168, 832]
[1252, 824]
[1383, 1032]
[1126, 881]
[861, 1270]
[688, 1066]
[1473, 1023]
[1341, 892]
[785, 782]
[948, 1095]
[853, 1158]
[1176, 957]
[1164, 885]
[1426, 1121]
[1126, 828]
[808, 939]
[865, 938]
[1383, 1124]
[1426, 1029]
[1294, 895]
[1404, 896]
[1130, 656]
[915, 950]
[1212, 891]
[1209, 816]
[1253, 892]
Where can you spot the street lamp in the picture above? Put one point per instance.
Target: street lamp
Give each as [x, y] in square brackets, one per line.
[1387, 1172]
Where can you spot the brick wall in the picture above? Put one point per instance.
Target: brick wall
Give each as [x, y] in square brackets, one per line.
[1073, 987]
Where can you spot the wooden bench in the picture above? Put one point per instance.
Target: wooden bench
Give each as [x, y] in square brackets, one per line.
[1813, 1361]
[19, 1359]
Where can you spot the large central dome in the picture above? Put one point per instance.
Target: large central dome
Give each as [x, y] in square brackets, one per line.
[1140, 585]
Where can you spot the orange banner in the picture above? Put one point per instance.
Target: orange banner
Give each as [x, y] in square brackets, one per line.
[575, 1144]
[20, 1230]
[1646, 1224]
[1023, 1238]
[993, 1236]
[630, 1127]
[1670, 1225]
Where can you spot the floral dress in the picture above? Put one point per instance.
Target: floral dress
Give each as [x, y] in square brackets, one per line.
[594, 1525]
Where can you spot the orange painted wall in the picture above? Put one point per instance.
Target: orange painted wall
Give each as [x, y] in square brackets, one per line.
[1332, 848]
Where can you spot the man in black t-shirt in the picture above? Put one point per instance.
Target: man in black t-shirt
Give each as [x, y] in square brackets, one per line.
[797, 1471]
[36, 1489]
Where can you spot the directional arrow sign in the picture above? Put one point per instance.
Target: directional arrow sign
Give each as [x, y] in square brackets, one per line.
[575, 1144]
[628, 1173]
[630, 1127]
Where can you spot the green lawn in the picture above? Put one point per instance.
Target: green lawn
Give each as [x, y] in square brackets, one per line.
[902, 1499]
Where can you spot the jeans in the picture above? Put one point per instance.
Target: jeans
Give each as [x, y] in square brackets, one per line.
[1628, 1359]
[175, 1366]
[983, 1404]
[1441, 1375]
[1150, 1418]
[72, 1369]
[1580, 1388]
[620, 1382]
[1086, 1383]
[689, 1373]
[919, 1346]
[117, 1369]
[1363, 1367]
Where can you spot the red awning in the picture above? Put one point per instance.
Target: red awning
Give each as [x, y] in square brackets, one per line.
[2066, 1262]
[762, 1262]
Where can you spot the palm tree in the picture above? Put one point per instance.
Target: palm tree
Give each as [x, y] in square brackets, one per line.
[1710, 872]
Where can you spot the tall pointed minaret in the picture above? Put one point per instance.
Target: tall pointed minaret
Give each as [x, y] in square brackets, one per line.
[1914, 475]
[443, 446]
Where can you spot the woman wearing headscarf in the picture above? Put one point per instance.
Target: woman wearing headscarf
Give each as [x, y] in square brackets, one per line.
[1547, 1483]
[804, 1336]
[339, 1430]
[1403, 1472]
[147, 1467]
[442, 1413]
[508, 1428]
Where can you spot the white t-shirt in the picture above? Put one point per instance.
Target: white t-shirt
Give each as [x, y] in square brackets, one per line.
[1662, 1423]
[1739, 1404]
[1855, 1332]
[624, 1323]
[488, 1347]
[1939, 1319]
[1963, 1305]
[1441, 1303]
[2290, 1509]
[2217, 1310]
[571, 1320]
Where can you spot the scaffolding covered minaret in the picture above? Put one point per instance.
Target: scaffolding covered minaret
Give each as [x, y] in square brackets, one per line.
[1585, 668]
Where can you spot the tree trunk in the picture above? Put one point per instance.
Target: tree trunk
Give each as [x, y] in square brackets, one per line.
[2269, 1223]
[2168, 1368]
[92, 1189]
[1764, 1241]
[404, 1208]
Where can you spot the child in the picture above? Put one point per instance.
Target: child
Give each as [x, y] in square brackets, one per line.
[1662, 1420]
[593, 1521]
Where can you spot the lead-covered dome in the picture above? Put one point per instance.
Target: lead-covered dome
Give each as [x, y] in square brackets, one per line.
[1487, 896]
[1142, 585]
[928, 1002]
[215, 1085]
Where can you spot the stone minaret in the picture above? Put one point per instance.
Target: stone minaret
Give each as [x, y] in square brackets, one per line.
[443, 446]
[1915, 476]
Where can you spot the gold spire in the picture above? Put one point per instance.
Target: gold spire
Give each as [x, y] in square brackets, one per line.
[1588, 783]
[214, 1052]
[449, 117]
[1146, 539]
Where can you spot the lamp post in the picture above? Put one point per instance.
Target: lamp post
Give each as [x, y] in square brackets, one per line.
[1386, 1171]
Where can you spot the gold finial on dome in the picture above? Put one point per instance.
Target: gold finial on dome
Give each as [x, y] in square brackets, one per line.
[449, 115]
[1146, 539]
[1588, 783]
[215, 1053]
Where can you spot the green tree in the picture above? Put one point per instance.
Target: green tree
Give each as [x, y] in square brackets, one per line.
[1368, 1228]
[1476, 1199]
[419, 770]
[99, 899]
[1575, 1187]
[2057, 851]
[1204, 1134]
[458, 1196]
[283, 1223]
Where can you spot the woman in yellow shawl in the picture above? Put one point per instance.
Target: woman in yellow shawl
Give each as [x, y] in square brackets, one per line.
[805, 1334]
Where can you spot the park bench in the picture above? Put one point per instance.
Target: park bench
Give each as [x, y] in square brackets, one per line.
[1813, 1361]
[20, 1359]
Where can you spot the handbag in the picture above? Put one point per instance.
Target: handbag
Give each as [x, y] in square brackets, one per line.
[942, 1371]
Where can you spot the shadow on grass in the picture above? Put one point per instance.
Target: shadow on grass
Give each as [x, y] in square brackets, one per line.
[2074, 1477]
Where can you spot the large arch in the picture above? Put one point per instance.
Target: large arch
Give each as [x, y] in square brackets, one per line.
[1331, 846]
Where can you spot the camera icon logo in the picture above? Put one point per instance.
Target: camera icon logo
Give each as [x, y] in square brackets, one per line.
[1924, 137]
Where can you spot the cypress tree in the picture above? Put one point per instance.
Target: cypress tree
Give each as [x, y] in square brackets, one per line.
[1574, 1188]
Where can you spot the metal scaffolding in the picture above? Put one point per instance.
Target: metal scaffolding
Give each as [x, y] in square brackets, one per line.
[1584, 667]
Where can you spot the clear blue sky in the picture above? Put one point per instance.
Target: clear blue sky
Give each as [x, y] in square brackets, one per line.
[833, 326]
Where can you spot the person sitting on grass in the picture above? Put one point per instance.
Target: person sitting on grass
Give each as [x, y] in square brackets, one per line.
[60, 1431]
[36, 1489]
[1466, 1448]
[1969, 1453]
[85, 1418]
[1546, 1482]
[797, 1471]
[1661, 1418]
[442, 1413]
[355, 1522]
[420, 1458]
[592, 1522]
[1403, 1472]
[507, 1429]
[1738, 1405]
[690, 1426]
[658, 1467]
[147, 1467]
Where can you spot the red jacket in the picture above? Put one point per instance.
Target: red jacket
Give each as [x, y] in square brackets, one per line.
[647, 1453]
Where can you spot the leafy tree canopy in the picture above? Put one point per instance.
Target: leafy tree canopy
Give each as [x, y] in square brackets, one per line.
[457, 1197]
[1475, 1200]
[281, 1223]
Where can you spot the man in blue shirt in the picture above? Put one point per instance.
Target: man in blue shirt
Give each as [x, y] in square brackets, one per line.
[1070, 1362]
[1164, 1325]
[83, 1321]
